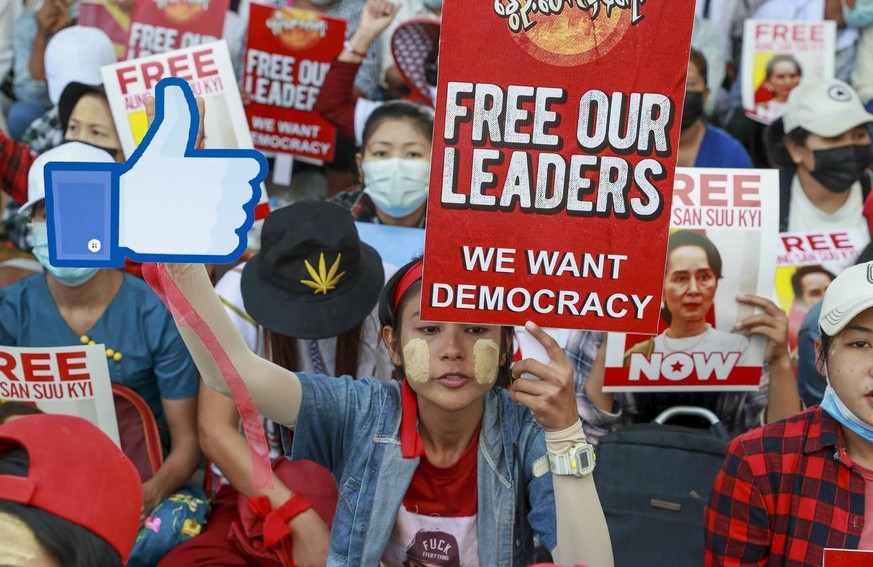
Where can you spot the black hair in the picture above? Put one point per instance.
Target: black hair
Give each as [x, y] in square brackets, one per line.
[69, 544]
[420, 116]
[690, 238]
[804, 271]
[699, 60]
[776, 141]
[389, 317]
[10, 409]
[782, 58]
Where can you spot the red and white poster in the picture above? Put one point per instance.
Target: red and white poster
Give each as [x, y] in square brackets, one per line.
[555, 144]
[66, 380]
[778, 56]
[158, 26]
[288, 55]
[723, 231]
[805, 265]
[847, 558]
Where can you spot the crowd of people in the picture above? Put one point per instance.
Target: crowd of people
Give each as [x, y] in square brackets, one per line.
[398, 441]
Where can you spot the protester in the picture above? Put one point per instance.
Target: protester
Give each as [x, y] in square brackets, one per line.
[408, 10]
[791, 489]
[419, 42]
[32, 33]
[823, 146]
[387, 472]
[68, 496]
[73, 55]
[271, 301]
[701, 144]
[69, 306]
[394, 166]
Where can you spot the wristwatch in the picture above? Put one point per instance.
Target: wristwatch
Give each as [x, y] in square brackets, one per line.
[578, 462]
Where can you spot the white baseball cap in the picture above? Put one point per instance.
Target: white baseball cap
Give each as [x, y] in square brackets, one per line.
[826, 107]
[75, 54]
[846, 297]
[71, 151]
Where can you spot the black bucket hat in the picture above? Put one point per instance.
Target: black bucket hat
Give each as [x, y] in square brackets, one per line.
[313, 277]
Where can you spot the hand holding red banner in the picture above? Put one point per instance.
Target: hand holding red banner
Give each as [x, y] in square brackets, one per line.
[551, 399]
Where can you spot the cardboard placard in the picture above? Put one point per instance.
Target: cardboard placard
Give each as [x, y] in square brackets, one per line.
[159, 26]
[65, 380]
[806, 264]
[288, 55]
[724, 225]
[778, 56]
[552, 167]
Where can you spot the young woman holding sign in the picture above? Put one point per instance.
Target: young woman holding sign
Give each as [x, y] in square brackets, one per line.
[408, 456]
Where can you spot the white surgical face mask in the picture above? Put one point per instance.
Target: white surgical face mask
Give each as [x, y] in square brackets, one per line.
[432, 4]
[397, 186]
[71, 277]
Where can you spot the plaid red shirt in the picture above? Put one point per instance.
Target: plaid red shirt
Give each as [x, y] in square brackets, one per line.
[16, 160]
[786, 491]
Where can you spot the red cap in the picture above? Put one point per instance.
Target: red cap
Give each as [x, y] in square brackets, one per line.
[76, 473]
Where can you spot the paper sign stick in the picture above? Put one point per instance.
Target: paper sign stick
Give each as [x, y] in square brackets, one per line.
[170, 202]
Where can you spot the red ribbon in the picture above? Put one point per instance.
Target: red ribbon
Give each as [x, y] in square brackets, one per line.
[276, 526]
[183, 312]
[411, 445]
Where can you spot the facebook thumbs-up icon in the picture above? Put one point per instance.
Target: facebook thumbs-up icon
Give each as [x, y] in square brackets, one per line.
[170, 202]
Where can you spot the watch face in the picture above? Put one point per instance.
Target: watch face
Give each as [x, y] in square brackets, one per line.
[584, 458]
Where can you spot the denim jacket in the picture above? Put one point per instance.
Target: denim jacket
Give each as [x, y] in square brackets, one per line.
[353, 429]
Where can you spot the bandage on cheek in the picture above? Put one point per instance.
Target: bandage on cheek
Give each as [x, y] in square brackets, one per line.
[486, 356]
[416, 360]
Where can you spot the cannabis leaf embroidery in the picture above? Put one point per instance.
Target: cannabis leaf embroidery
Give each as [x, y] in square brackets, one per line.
[323, 281]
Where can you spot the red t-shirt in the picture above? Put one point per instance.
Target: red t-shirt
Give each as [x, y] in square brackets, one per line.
[866, 541]
[436, 525]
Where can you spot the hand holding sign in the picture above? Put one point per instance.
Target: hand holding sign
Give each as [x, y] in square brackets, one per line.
[171, 202]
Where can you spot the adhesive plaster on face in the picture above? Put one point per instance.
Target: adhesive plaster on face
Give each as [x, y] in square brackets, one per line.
[485, 357]
[416, 360]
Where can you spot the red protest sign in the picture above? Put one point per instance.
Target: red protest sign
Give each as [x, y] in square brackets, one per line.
[288, 55]
[157, 26]
[555, 144]
[847, 558]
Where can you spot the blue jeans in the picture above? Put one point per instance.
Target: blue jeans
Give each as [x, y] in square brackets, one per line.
[21, 115]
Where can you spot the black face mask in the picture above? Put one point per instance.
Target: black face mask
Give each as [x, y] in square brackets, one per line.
[692, 109]
[838, 168]
[111, 151]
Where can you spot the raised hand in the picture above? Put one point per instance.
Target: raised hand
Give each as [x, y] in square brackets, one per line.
[771, 323]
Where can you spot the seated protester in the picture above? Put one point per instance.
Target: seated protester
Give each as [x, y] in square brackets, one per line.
[69, 306]
[822, 146]
[73, 55]
[409, 10]
[340, 105]
[810, 382]
[32, 32]
[701, 144]
[68, 496]
[449, 449]
[329, 330]
[394, 166]
[685, 309]
[791, 489]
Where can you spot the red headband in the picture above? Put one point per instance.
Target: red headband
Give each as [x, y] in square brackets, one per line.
[412, 275]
